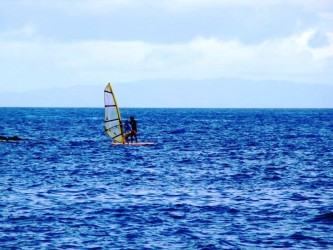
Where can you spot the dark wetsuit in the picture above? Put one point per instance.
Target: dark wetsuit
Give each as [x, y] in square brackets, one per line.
[134, 130]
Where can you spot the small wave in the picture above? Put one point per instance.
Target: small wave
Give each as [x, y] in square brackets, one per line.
[299, 197]
[178, 131]
[300, 236]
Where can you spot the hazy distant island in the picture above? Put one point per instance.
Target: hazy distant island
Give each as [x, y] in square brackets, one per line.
[209, 93]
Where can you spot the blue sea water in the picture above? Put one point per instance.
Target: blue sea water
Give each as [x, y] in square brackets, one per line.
[215, 179]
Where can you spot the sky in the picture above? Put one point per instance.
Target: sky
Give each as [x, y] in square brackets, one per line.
[65, 43]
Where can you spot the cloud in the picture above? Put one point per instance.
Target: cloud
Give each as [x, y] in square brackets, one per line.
[320, 39]
[251, 21]
[28, 30]
[291, 58]
[188, 5]
[197, 4]
[84, 4]
[313, 5]
[175, 5]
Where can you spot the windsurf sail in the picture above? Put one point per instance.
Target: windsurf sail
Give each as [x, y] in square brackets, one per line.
[112, 125]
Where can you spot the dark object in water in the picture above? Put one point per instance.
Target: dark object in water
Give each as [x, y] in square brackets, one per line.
[324, 218]
[11, 138]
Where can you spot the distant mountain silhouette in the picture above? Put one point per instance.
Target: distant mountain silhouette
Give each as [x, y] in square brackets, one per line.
[217, 93]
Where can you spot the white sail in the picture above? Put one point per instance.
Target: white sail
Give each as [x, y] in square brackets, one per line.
[113, 125]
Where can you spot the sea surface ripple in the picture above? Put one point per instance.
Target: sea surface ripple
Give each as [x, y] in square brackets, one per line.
[215, 179]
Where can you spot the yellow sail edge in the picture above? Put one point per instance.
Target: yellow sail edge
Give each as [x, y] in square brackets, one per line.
[112, 125]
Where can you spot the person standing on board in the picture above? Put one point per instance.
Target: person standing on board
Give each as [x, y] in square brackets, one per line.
[134, 129]
[127, 130]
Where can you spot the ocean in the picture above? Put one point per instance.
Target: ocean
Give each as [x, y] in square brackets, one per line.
[215, 179]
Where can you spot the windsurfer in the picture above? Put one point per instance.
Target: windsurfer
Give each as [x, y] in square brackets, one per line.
[134, 129]
[127, 130]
